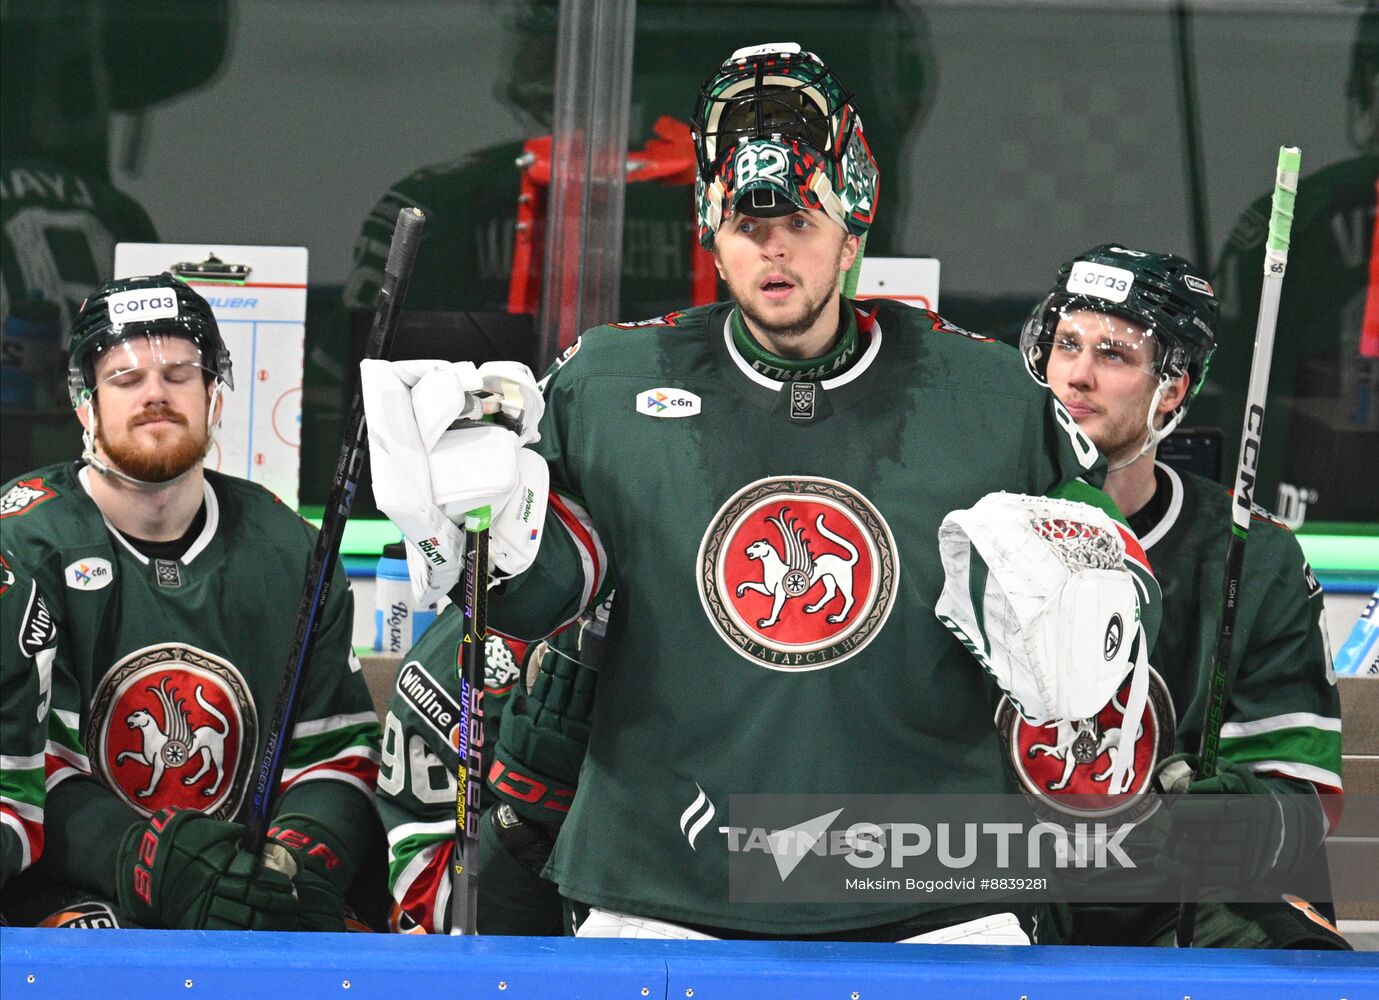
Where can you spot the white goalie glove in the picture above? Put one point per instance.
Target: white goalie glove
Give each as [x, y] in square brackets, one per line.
[435, 458]
[1038, 590]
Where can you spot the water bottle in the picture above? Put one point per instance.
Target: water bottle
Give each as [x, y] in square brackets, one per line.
[1359, 654]
[398, 620]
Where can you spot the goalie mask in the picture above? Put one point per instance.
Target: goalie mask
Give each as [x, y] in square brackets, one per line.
[1156, 310]
[133, 323]
[775, 132]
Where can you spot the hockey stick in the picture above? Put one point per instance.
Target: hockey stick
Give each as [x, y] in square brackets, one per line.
[1275, 261]
[469, 778]
[469, 665]
[397, 272]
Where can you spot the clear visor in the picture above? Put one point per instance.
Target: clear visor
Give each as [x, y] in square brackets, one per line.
[1074, 333]
[127, 363]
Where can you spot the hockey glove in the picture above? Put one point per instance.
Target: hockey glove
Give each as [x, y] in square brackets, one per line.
[528, 842]
[447, 438]
[1229, 830]
[1037, 588]
[183, 870]
[306, 851]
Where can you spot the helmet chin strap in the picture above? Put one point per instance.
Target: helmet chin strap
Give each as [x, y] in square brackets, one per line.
[89, 456]
[1153, 434]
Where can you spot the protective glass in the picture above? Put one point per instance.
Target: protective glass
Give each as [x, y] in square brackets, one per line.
[1073, 328]
[127, 362]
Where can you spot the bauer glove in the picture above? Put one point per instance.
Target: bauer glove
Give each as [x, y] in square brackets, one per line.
[183, 870]
[314, 858]
[1230, 830]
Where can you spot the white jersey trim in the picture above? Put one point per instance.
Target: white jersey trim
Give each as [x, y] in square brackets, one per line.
[1292, 769]
[594, 563]
[208, 530]
[858, 367]
[24, 810]
[862, 363]
[25, 848]
[1274, 723]
[32, 762]
[1175, 507]
[441, 828]
[197, 547]
[328, 774]
[323, 768]
[316, 727]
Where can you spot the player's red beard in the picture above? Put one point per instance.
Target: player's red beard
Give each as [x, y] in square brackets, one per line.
[811, 307]
[159, 457]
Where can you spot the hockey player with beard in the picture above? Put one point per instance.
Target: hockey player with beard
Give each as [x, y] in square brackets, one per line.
[174, 591]
[764, 480]
[1124, 341]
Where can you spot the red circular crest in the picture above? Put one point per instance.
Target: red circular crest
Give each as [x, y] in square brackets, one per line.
[1066, 767]
[172, 725]
[797, 574]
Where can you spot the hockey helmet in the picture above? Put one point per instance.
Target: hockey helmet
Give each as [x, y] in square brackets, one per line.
[774, 124]
[155, 307]
[1163, 293]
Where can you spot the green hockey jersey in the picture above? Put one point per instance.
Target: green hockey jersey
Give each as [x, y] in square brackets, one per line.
[1283, 710]
[731, 664]
[168, 669]
[1283, 717]
[27, 647]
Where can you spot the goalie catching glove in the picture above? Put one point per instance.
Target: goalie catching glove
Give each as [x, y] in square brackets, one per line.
[1037, 589]
[447, 438]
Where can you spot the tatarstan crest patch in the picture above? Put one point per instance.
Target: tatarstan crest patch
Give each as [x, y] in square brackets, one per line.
[173, 725]
[1065, 767]
[796, 573]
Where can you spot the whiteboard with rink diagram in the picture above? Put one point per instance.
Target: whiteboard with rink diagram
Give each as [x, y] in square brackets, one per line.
[258, 295]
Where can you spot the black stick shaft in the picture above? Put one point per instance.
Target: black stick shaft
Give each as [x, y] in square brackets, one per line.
[315, 594]
[469, 778]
